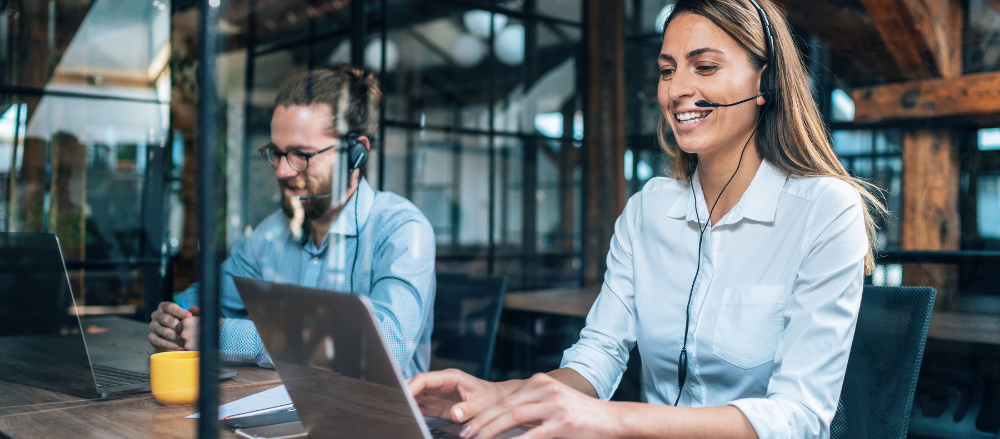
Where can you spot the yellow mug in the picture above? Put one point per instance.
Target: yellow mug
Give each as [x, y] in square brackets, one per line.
[173, 377]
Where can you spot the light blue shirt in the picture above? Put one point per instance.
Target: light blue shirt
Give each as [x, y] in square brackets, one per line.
[773, 312]
[394, 268]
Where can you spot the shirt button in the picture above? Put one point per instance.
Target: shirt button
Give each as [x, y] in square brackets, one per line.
[315, 260]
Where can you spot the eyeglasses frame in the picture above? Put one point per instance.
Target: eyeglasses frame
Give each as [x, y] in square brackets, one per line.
[284, 155]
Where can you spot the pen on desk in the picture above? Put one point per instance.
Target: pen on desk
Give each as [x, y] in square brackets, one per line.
[280, 408]
[180, 302]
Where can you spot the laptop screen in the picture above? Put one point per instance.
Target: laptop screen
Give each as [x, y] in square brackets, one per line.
[332, 360]
[40, 337]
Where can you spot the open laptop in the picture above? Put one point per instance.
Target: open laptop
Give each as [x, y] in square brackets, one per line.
[43, 340]
[328, 352]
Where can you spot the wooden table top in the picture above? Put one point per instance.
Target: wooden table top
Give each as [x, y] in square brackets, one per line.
[132, 416]
[576, 302]
[573, 302]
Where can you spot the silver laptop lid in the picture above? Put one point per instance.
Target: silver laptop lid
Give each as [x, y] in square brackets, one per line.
[329, 354]
[41, 339]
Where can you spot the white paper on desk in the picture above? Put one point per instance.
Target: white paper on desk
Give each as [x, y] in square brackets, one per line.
[269, 398]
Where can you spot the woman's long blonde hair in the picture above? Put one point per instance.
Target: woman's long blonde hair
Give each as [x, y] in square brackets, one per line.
[792, 136]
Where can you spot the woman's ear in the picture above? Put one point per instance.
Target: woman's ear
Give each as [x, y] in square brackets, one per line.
[368, 143]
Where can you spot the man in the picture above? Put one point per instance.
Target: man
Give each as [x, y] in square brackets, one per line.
[360, 240]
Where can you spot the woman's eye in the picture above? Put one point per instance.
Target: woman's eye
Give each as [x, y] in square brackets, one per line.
[707, 69]
[666, 73]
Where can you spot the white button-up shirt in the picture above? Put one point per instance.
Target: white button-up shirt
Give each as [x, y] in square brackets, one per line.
[773, 311]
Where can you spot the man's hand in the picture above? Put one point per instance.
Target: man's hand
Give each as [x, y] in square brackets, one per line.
[189, 330]
[166, 326]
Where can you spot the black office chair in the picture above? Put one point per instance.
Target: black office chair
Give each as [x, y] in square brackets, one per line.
[885, 360]
[466, 317]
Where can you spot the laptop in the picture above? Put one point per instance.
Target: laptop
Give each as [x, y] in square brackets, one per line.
[327, 350]
[44, 342]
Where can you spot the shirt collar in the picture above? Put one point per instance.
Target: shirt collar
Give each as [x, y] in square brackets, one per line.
[361, 201]
[759, 202]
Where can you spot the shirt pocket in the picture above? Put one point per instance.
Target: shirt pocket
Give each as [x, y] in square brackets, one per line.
[750, 321]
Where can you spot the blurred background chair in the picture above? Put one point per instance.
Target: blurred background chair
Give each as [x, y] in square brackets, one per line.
[885, 361]
[947, 405]
[466, 317]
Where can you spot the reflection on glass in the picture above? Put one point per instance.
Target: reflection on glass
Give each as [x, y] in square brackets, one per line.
[988, 206]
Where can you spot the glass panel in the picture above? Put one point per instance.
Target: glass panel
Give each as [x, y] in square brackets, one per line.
[852, 142]
[988, 206]
[78, 155]
[569, 10]
[979, 41]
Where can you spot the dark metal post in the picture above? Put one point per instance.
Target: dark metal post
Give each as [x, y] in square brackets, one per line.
[358, 30]
[208, 341]
[491, 244]
[248, 115]
[152, 224]
[13, 166]
[583, 81]
[311, 48]
[384, 6]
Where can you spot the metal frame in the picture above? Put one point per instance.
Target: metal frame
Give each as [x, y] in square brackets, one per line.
[208, 325]
[363, 15]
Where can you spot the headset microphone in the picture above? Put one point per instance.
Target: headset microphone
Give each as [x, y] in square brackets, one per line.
[705, 104]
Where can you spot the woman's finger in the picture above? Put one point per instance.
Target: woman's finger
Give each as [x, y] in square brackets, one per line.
[533, 390]
[432, 381]
[520, 415]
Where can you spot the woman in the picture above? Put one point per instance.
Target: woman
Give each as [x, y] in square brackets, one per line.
[747, 265]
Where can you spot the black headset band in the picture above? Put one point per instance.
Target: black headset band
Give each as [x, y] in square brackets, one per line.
[767, 80]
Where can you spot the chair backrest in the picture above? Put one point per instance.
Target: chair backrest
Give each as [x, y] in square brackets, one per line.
[885, 360]
[466, 317]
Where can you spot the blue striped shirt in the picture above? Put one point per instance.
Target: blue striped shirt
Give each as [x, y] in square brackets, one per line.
[394, 268]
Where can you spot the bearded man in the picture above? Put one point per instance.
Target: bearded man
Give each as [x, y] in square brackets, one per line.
[343, 237]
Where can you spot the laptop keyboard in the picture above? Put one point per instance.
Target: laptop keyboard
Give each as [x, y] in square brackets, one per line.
[111, 377]
[438, 434]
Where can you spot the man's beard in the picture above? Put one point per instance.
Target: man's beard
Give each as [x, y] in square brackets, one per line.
[313, 208]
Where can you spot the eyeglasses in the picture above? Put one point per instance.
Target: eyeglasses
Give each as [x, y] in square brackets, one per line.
[299, 161]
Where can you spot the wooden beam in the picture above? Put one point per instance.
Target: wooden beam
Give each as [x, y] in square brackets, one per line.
[995, 4]
[918, 34]
[930, 219]
[604, 173]
[845, 31]
[976, 94]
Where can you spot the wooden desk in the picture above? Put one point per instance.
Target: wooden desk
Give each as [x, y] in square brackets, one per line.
[572, 302]
[133, 416]
[576, 302]
[965, 327]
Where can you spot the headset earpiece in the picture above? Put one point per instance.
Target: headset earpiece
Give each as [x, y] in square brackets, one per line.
[357, 152]
[768, 82]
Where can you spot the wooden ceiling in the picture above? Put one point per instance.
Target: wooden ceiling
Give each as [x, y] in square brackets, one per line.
[889, 53]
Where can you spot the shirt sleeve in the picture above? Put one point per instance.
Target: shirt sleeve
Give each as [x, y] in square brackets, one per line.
[601, 355]
[820, 315]
[402, 289]
[239, 343]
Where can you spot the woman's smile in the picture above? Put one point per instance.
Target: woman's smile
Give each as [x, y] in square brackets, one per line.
[689, 119]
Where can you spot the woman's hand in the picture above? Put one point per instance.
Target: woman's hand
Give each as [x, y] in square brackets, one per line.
[455, 395]
[562, 410]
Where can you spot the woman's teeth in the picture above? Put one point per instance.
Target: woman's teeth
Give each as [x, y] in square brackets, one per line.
[691, 116]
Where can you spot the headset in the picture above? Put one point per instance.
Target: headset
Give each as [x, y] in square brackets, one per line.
[768, 89]
[768, 82]
[357, 156]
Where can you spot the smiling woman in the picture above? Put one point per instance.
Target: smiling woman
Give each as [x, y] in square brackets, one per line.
[738, 280]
